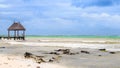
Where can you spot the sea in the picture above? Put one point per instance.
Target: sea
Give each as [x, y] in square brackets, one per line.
[72, 36]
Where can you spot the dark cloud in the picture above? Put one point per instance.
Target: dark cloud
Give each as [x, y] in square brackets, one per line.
[99, 3]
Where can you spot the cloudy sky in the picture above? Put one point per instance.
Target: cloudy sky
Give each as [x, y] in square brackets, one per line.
[62, 17]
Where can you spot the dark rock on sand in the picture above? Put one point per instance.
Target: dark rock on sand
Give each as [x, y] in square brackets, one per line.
[2, 47]
[72, 53]
[112, 52]
[38, 59]
[27, 55]
[50, 60]
[54, 53]
[102, 50]
[55, 59]
[66, 51]
[99, 55]
[61, 50]
[86, 52]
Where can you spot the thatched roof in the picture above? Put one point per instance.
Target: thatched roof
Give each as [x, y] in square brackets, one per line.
[16, 26]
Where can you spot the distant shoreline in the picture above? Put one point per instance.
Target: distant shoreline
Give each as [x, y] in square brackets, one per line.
[73, 36]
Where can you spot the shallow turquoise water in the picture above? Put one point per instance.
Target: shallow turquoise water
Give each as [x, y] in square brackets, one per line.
[71, 36]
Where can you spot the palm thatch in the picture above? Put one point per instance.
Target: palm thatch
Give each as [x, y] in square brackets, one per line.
[16, 26]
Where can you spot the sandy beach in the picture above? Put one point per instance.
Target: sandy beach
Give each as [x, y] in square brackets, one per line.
[83, 53]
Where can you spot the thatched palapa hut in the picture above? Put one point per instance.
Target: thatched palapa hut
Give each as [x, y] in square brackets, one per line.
[18, 29]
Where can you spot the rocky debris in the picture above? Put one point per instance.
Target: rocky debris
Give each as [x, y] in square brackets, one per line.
[112, 52]
[50, 60]
[73, 53]
[2, 47]
[55, 53]
[38, 59]
[66, 51]
[104, 50]
[86, 52]
[27, 55]
[99, 55]
[55, 59]
[62, 50]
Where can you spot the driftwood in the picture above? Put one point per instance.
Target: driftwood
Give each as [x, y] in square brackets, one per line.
[38, 59]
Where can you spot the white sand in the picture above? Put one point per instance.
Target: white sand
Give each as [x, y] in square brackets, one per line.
[9, 61]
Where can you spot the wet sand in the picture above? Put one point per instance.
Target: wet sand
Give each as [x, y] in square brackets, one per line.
[12, 56]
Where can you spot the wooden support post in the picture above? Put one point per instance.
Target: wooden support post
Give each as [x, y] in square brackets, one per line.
[8, 34]
[14, 34]
[17, 33]
[18, 37]
[23, 34]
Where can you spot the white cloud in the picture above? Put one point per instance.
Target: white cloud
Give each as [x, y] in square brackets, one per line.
[96, 15]
[49, 14]
[5, 6]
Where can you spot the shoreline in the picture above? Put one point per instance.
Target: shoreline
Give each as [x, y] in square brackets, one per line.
[74, 36]
[111, 45]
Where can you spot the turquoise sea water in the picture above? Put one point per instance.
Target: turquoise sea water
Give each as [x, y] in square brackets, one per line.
[71, 36]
